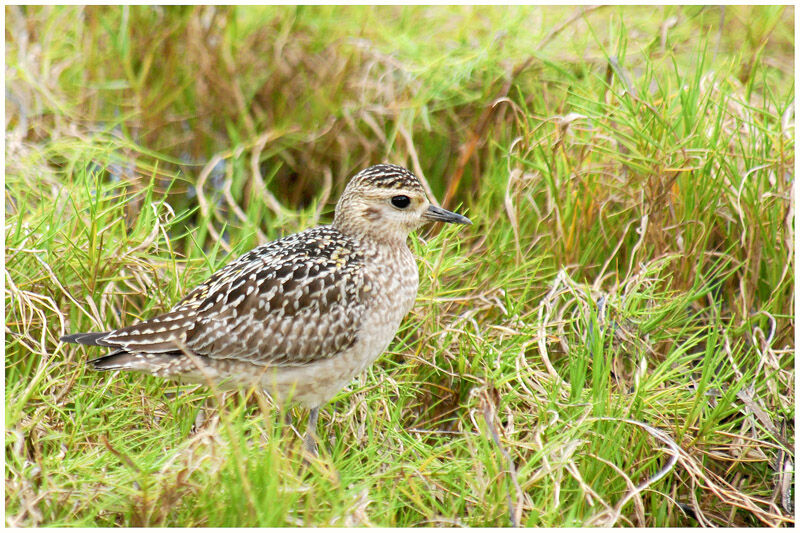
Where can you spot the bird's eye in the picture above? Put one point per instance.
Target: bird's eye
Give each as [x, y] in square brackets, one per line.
[401, 202]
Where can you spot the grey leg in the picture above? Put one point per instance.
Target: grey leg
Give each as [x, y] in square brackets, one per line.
[311, 432]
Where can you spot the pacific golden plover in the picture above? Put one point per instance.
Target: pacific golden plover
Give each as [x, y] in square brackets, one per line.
[299, 316]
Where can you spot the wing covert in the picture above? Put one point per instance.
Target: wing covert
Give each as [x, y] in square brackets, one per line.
[288, 303]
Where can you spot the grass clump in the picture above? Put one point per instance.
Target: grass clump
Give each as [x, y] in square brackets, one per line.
[611, 343]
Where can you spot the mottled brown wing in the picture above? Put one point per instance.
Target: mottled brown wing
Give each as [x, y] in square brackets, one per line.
[293, 302]
[289, 302]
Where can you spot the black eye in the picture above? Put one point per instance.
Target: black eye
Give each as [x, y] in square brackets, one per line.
[401, 202]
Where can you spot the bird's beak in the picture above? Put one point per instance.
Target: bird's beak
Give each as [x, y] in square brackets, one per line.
[437, 214]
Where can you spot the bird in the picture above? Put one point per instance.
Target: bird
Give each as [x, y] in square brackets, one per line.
[300, 316]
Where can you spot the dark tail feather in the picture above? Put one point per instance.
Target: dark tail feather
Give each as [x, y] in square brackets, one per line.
[118, 360]
[90, 339]
[122, 360]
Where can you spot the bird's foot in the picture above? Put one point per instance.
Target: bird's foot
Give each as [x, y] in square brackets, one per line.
[310, 445]
[310, 440]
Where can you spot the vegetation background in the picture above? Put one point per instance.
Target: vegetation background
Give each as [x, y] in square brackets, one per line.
[611, 343]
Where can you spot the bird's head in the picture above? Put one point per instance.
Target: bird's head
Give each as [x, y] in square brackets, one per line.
[387, 202]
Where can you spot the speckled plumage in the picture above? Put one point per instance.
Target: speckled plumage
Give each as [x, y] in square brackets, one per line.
[299, 316]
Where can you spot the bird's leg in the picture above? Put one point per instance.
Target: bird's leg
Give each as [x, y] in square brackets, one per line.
[311, 432]
[205, 414]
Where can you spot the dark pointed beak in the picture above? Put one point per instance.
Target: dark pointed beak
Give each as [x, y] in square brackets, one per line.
[437, 214]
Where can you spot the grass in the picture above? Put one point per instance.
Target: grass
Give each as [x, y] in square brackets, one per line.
[611, 343]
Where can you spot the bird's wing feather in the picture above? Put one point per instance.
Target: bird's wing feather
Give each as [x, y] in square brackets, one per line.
[290, 302]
